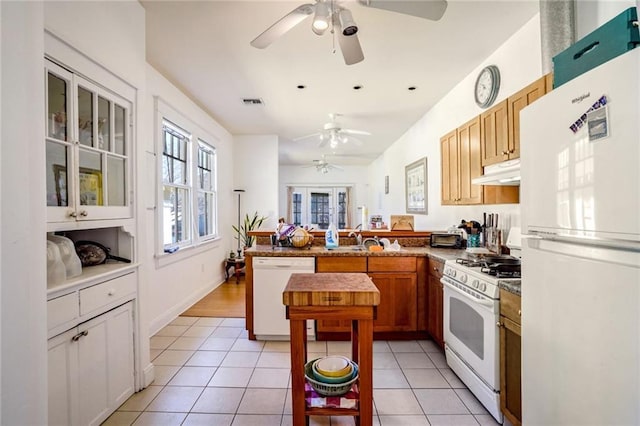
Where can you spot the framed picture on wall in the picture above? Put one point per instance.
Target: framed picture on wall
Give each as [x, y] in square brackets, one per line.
[415, 180]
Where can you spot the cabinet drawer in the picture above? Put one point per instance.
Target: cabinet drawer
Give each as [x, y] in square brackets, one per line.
[341, 264]
[61, 310]
[436, 268]
[510, 306]
[392, 264]
[102, 294]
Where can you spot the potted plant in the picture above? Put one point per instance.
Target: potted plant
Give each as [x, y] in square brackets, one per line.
[250, 224]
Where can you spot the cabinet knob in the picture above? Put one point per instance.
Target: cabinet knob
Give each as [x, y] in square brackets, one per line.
[498, 324]
[111, 291]
[84, 213]
[511, 151]
[519, 313]
[73, 214]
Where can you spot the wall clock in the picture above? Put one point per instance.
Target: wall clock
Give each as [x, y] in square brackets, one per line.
[487, 86]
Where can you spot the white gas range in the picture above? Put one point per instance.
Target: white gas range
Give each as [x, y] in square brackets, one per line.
[471, 314]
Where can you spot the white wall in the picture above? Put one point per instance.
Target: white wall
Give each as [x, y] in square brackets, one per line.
[354, 176]
[23, 372]
[176, 281]
[592, 14]
[256, 171]
[519, 60]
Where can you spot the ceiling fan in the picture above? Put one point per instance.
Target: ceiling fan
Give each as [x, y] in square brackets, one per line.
[330, 14]
[323, 166]
[333, 134]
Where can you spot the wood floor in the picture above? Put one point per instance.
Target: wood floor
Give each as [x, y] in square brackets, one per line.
[226, 301]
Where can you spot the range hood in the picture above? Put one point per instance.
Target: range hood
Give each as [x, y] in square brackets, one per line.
[505, 173]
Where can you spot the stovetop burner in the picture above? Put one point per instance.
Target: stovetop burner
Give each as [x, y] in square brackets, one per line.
[494, 265]
[502, 271]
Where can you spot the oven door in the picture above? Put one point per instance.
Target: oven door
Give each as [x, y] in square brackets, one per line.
[470, 330]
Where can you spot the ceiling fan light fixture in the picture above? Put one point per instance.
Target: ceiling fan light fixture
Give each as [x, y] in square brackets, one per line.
[321, 18]
[347, 23]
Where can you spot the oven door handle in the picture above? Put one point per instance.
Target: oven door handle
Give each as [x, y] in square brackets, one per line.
[489, 303]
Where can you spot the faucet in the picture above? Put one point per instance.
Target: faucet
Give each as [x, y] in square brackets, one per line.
[357, 235]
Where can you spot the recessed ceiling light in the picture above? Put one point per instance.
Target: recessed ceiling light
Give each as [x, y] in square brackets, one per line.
[412, 88]
[252, 101]
[301, 86]
[357, 87]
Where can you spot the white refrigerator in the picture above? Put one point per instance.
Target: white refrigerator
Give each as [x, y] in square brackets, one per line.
[580, 204]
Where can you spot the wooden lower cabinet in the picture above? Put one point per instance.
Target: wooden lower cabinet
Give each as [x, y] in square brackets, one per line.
[435, 302]
[510, 357]
[398, 310]
[397, 280]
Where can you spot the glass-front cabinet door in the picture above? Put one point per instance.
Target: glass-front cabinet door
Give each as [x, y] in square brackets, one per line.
[88, 146]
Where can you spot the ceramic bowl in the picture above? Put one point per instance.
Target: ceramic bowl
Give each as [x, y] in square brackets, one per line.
[327, 389]
[327, 379]
[333, 366]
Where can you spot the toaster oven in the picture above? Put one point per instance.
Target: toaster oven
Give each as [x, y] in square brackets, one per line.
[447, 240]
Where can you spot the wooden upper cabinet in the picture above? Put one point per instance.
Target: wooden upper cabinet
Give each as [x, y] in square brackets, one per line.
[494, 130]
[461, 162]
[469, 163]
[517, 102]
[450, 174]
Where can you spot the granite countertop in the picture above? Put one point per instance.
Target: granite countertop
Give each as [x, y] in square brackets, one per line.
[345, 251]
[512, 286]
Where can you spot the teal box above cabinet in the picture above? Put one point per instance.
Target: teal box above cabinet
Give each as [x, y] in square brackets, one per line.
[617, 36]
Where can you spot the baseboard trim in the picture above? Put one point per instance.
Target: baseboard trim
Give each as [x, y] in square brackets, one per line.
[158, 323]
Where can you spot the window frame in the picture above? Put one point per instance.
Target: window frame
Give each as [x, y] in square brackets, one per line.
[195, 137]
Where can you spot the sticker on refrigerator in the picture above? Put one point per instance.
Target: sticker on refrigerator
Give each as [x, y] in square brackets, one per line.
[577, 125]
[598, 124]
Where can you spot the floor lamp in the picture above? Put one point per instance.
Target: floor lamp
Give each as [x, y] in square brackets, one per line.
[239, 192]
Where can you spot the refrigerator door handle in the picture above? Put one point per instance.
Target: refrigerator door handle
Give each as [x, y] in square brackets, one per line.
[615, 244]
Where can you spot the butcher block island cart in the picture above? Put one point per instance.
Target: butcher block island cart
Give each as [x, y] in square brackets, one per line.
[346, 296]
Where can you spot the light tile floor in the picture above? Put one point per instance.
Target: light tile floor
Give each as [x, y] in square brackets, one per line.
[207, 372]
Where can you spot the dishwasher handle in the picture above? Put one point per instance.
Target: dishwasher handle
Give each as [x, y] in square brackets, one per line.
[304, 263]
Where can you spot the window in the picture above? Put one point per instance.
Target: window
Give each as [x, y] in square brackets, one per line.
[297, 208]
[317, 207]
[206, 189]
[320, 209]
[189, 199]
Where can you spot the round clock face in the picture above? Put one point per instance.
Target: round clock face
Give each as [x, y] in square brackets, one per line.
[487, 86]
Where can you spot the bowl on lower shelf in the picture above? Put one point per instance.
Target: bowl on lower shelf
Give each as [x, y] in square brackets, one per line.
[333, 365]
[330, 389]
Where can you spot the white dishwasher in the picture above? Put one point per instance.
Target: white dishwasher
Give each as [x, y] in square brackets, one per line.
[270, 277]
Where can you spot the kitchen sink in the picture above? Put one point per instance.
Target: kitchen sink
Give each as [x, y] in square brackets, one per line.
[347, 248]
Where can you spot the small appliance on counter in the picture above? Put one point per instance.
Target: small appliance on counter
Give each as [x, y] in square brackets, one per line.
[447, 240]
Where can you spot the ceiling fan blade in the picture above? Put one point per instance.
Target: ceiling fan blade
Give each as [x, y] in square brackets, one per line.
[355, 132]
[356, 141]
[312, 135]
[349, 45]
[333, 166]
[427, 9]
[323, 143]
[283, 25]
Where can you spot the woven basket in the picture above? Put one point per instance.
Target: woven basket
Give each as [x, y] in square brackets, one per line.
[300, 238]
[327, 389]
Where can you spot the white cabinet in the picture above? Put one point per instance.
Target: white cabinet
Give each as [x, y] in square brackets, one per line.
[91, 368]
[88, 149]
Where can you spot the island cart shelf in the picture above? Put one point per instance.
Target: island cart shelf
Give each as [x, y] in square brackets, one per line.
[346, 296]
